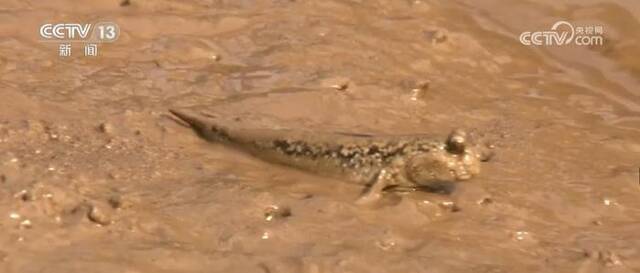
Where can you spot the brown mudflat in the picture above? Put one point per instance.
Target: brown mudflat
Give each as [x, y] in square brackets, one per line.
[96, 177]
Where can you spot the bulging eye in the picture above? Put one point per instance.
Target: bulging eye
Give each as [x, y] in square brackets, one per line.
[456, 142]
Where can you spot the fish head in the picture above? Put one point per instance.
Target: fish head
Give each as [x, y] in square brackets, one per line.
[459, 158]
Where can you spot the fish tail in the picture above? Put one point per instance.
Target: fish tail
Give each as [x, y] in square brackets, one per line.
[205, 130]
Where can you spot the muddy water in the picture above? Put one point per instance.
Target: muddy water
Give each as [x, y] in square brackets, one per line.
[95, 177]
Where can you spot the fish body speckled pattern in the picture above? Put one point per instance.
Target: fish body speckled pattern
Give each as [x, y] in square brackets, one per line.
[379, 162]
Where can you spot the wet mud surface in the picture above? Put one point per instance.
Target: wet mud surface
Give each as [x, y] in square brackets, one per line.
[95, 176]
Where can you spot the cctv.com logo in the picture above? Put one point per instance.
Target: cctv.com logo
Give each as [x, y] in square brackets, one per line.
[564, 33]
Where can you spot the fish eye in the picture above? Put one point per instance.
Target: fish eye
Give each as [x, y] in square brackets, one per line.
[456, 143]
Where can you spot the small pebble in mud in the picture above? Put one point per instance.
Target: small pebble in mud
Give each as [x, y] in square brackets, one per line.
[36, 127]
[522, 236]
[113, 176]
[341, 86]
[14, 215]
[419, 91]
[216, 57]
[338, 83]
[24, 195]
[25, 224]
[106, 128]
[437, 208]
[609, 202]
[607, 257]
[276, 212]
[435, 36]
[485, 201]
[98, 216]
[449, 206]
[385, 244]
[116, 202]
